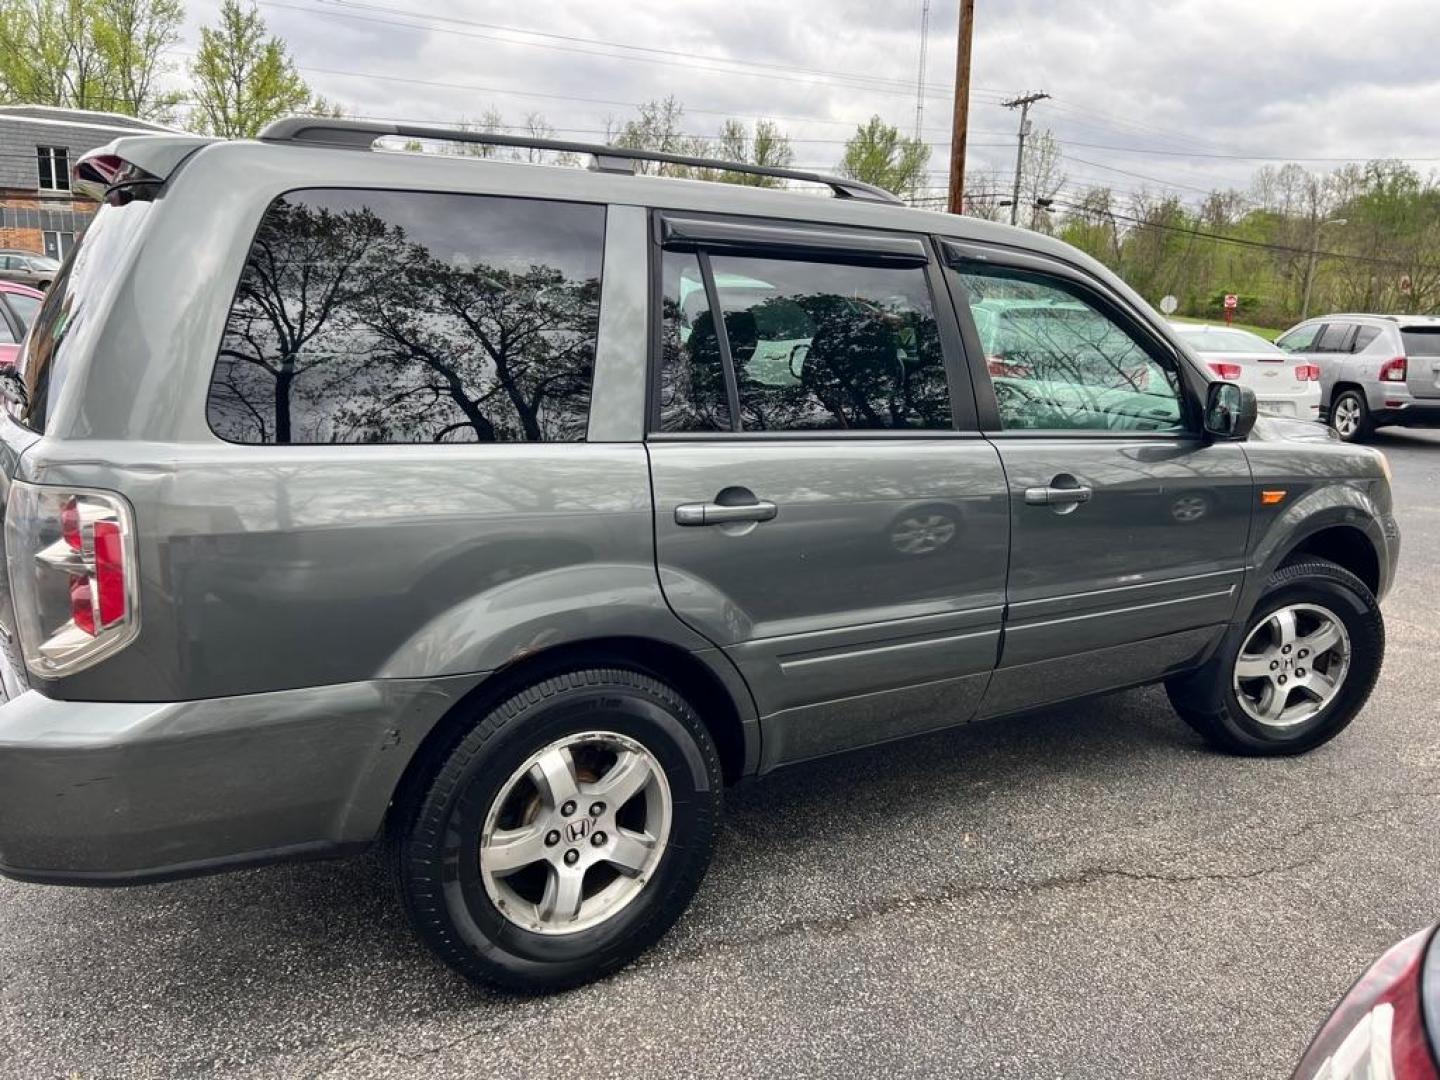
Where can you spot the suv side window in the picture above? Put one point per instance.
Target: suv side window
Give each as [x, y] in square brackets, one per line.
[1363, 337]
[1335, 338]
[1301, 339]
[412, 317]
[814, 346]
[1058, 362]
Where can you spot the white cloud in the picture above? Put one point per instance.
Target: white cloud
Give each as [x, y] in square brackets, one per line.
[1311, 78]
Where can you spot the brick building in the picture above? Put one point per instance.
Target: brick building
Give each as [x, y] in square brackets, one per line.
[38, 144]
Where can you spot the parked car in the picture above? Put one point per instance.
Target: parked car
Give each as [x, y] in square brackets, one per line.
[28, 268]
[1285, 385]
[18, 305]
[1375, 370]
[504, 514]
[1386, 1026]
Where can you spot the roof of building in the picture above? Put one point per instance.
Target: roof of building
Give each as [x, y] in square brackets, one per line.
[50, 114]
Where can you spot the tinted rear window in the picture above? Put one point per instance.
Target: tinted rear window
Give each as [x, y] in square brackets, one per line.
[1424, 342]
[73, 302]
[412, 317]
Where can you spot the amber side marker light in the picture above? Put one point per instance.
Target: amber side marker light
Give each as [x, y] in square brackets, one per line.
[1272, 498]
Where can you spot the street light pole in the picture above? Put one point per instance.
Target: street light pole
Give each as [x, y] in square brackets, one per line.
[1023, 104]
[1310, 264]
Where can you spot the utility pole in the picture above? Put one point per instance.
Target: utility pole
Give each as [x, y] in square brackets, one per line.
[1310, 265]
[1023, 104]
[961, 120]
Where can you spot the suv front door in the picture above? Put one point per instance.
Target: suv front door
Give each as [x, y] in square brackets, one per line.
[825, 511]
[1128, 526]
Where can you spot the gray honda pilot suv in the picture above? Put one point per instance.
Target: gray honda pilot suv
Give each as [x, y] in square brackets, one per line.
[504, 514]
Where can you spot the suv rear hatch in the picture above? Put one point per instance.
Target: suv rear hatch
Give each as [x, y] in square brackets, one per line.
[126, 176]
[1422, 359]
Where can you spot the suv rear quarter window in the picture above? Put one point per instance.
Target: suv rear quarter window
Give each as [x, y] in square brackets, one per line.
[412, 317]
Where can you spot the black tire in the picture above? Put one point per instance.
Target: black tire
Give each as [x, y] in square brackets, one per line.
[1206, 699]
[440, 886]
[1365, 424]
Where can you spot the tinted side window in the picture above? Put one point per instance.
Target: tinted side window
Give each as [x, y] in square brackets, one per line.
[693, 396]
[1058, 362]
[829, 346]
[409, 317]
[1364, 336]
[1334, 338]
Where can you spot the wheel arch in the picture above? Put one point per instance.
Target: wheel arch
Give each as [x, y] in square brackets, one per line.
[707, 680]
[1345, 545]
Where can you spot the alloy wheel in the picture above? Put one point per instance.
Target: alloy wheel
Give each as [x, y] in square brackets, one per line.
[1291, 665]
[575, 833]
[1347, 416]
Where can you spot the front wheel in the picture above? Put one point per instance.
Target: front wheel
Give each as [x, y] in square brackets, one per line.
[564, 834]
[1296, 672]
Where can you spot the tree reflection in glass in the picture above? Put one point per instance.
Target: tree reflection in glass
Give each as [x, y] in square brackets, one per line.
[401, 317]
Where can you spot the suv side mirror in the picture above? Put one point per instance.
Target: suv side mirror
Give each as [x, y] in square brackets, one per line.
[1230, 410]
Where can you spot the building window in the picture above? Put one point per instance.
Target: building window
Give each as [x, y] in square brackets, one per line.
[58, 243]
[54, 168]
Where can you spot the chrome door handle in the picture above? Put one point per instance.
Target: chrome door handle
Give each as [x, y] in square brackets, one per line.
[719, 514]
[1057, 496]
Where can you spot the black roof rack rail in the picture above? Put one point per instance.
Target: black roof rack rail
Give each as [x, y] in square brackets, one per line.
[361, 135]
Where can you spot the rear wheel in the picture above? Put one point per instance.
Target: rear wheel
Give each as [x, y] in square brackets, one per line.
[1350, 416]
[564, 834]
[1294, 674]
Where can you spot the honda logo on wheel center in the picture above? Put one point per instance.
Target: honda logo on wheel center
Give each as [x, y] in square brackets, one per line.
[577, 830]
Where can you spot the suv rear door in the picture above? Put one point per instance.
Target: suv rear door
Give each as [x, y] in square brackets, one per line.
[825, 511]
[1128, 527]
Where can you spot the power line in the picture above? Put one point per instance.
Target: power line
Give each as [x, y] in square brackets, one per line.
[690, 62]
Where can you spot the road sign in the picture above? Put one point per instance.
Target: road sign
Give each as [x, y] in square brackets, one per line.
[1231, 301]
[1168, 304]
[1406, 285]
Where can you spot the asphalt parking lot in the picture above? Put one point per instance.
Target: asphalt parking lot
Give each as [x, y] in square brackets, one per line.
[1084, 892]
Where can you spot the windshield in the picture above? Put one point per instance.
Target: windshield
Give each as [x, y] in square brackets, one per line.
[24, 307]
[66, 316]
[1216, 339]
[43, 262]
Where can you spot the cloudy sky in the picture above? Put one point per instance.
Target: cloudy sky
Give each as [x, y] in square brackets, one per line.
[1176, 97]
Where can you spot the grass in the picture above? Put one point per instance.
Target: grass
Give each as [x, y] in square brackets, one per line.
[1263, 331]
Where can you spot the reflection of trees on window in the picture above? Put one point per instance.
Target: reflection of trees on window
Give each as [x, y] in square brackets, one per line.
[1057, 363]
[692, 379]
[375, 317]
[832, 346]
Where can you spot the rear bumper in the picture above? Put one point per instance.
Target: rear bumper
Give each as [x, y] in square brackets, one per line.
[103, 793]
[1418, 412]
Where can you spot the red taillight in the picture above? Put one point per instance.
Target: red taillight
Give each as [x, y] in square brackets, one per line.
[109, 572]
[1307, 372]
[1228, 372]
[70, 523]
[1379, 1020]
[1393, 370]
[82, 604]
[71, 555]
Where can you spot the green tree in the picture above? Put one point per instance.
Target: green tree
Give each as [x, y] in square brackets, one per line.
[878, 154]
[88, 54]
[244, 78]
[766, 145]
